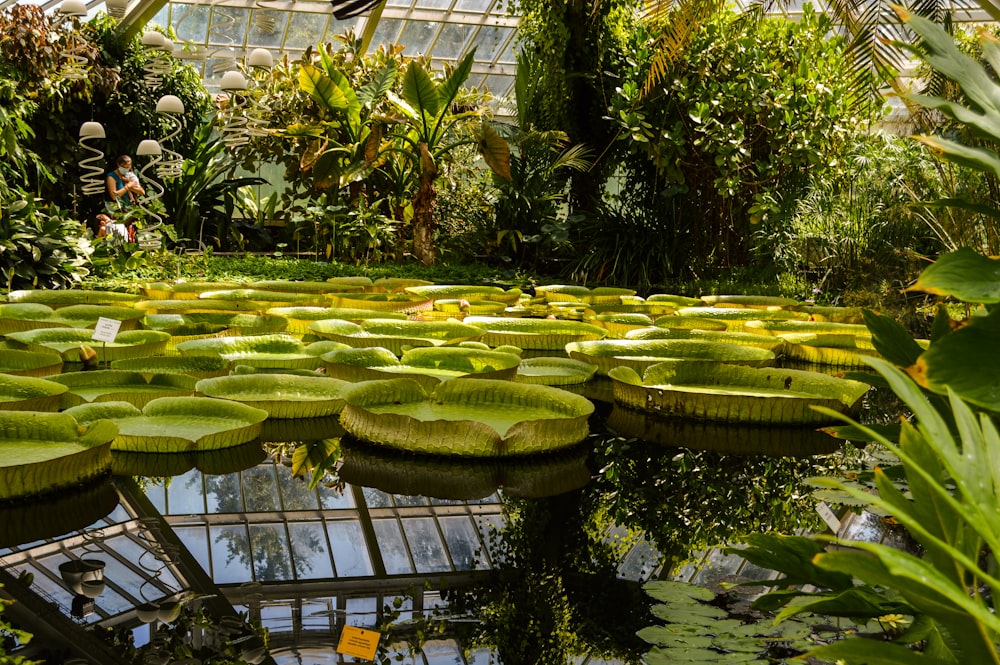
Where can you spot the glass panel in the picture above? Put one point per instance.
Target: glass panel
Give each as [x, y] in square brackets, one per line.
[195, 539]
[119, 514]
[463, 543]
[317, 614]
[375, 498]
[296, 494]
[409, 500]
[162, 18]
[230, 554]
[479, 657]
[56, 590]
[425, 545]
[452, 40]
[361, 612]
[267, 27]
[508, 56]
[435, 4]
[442, 652]
[185, 495]
[386, 32]
[332, 498]
[276, 617]
[305, 29]
[475, 6]
[270, 552]
[312, 559]
[223, 494]
[157, 494]
[499, 85]
[350, 556]
[417, 35]
[489, 41]
[229, 25]
[392, 547]
[191, 22]
[260, 490]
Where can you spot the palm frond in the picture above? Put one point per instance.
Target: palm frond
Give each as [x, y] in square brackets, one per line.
[679, 22]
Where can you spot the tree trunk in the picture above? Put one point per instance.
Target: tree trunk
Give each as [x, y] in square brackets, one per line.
[423, 221]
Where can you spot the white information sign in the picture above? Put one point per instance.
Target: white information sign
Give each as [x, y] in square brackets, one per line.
[106, 329]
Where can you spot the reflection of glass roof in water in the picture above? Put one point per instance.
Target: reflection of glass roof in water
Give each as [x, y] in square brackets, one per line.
[210, 35]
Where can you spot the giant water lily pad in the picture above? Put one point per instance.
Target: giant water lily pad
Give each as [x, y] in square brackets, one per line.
[736, 394]
[231, 323]
[280, 395]
[86, 316]
[471, 417]
[289, 286]
[44, 452]
[177, 424]
[29, 393]
[182, 290]
[401, 473]
[384, 302]
[640, 354]
[554, 371]
[299, 318]
[67, 342]
[819, 327]
[394, 334]
[266, 299]
[212, 462]
[277, 351]
[750, 301]
[835, 349]
[674, 321]
[466, 291]
[619, 325]
[534, 334]
[19, 362]
[63, 297]
[198, 305]
[200, 367]
[58, 513]
[25, 316]
[568, 292]
[736, 317]
[114, 385]
[426, 365]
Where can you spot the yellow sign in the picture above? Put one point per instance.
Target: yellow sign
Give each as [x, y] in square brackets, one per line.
[358, 642]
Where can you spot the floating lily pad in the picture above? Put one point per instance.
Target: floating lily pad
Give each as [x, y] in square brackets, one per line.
[467, 291]
[289, 286]
[67, 342]
[426, 365]
[384, 302]
[640, 354]
[565, 292]
[44, 452]
[264, 351]
[471, 417]
[732, 438]
[831, 313]
[30, 363]
[534, 334]
[299, 318]
[837, 350]
[739, 394]
[818, 327]
[62, 297]
[751, 301]
[675, 300]
[280, 395]
[182, 306]
[182, 290]
[29, 393]
[619, 325]
[86, 316]
[467, 307]
[394, 334]
[396, 472]
[177, 424]
[25, 316]
[200, 367]
[398, 283]
[673, 321]
[551, 371]
[775, 345]
[736, 317]
[114, 385]
[266, 299]
[213, 462]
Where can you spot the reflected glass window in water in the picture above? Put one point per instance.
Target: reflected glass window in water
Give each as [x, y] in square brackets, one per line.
[260, 489]
[276, 617]
[350, 557]
[362, 612]
[223, 493]
[295, 492]
[489, 527]
[463, 543]
[230, 554]
[271, 561]
[195, 539]
[442, 652]
[404, 608]
[317, 614]
[400, 653]
[425, 545]
[185, 494]
[392, 547]
[309, 550]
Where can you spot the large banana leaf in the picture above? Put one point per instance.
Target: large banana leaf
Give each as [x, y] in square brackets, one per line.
[534, 334]
[176, 424]
[280, 395]
[115, 385]
[471, 417]
[639, 354]
[44, 452]
[737, 394]
[67, 342]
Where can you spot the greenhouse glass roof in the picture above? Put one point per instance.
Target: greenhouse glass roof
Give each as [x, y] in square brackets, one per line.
[213, 35]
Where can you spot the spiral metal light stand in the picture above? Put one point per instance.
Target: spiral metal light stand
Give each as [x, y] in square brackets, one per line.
[159, 58]
[75, 66]
[259, 60]
[116, 8]
[172, 163]
[234, 129]
[92, 168]
[150, 148]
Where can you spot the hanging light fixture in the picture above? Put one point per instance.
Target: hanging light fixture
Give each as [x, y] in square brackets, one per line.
[92, 168]
[150, 148]
[345, 9]
[76, 61]
[116, 9]
[234, 129]
[172, 164]
[259, 60]
[159, 50]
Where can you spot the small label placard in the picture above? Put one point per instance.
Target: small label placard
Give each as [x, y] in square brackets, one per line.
[106, 329]
[358, 642]
[827, 514]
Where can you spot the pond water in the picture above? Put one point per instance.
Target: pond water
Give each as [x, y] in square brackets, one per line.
[527, 561]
